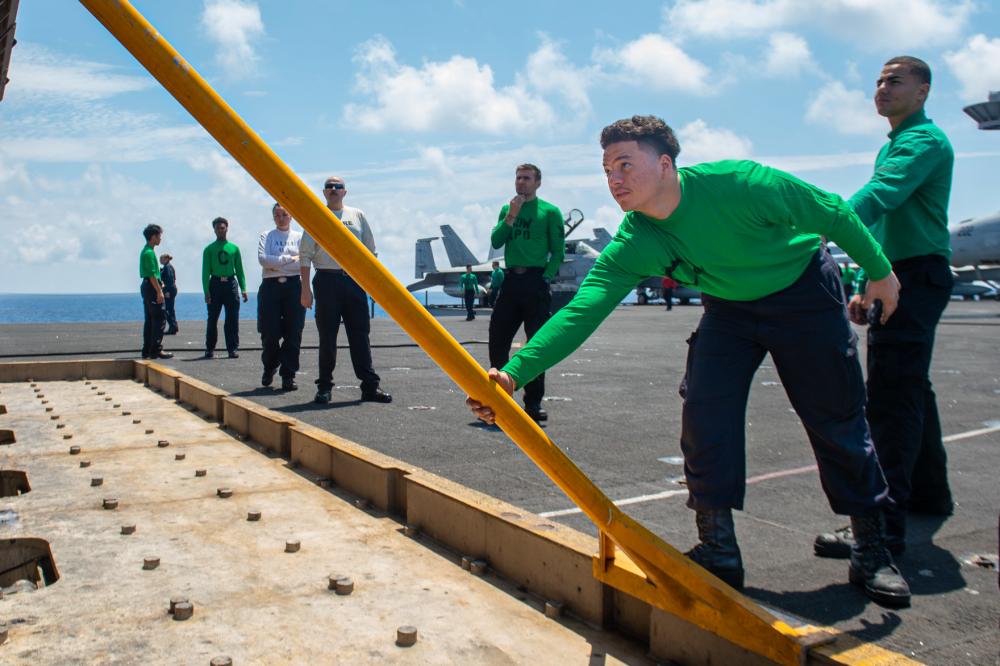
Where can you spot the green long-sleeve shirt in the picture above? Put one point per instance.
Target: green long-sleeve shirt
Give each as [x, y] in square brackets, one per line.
[468, 281]
[741, 231]
[222, 259]
[905, 204]
[149, 267]
[496, 278]
[535, 239]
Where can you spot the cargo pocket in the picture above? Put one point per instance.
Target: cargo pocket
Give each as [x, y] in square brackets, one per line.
[682, 389]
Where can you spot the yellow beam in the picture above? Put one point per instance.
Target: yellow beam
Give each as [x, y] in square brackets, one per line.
[682, 586]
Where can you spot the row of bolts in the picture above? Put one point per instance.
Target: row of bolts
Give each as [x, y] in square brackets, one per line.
[180, 607]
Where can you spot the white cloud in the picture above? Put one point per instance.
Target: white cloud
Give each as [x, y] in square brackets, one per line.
[701, 143]
[787, 55]
[233, 25]
[653, 61]
[38, 74]
[846, 111]
[882, 25]
[462, 94]
[977, 67]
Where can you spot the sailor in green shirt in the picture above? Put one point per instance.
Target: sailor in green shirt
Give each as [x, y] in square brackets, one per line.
[848, 276]
[496, 282]
[469, 284]
[905, 205]
[151, 290]
[748, 237]
[530, 230]
[221, 269]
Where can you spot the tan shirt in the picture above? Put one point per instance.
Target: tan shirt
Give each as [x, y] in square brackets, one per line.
[311, 254]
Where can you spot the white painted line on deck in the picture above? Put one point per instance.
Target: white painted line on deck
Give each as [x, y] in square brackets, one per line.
[641, 499]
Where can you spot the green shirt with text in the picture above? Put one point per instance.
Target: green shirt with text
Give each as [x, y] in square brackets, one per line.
[534, 240]
[222, 259]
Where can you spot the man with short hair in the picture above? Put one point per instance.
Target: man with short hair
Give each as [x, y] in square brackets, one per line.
[221, 270]
[168, 276]
[496, 282]
[530, 230]
[905, 205]
[280, 315]
[338, 297]
[748, 237]
[152, 295]
[469, 284]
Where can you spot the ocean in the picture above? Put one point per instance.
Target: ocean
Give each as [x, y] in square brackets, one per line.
[73, 308]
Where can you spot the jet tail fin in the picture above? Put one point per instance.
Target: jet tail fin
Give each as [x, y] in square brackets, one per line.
[459, 254]
[424, 260]
[603, 238]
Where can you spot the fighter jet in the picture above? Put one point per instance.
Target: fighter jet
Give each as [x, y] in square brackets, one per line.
[579, 258]
[975, 256]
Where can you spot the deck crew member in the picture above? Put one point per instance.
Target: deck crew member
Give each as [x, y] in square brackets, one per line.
[469, 284]
[747, 236]
[169, 278]
[496, 282]
[338, 297]
[905, 206]
[280, 314]
[221, 275]
[530, 230]
[151, 291]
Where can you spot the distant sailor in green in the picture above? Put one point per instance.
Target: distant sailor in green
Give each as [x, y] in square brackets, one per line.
[469, 284]
[221, 270]
[748, 237]
[496, 282]
[905, 205]
[151, 290]
[848, 276]
[530, 230]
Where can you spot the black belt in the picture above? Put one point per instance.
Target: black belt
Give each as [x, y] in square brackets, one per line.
[283, 278]
[521, 270]
[225, 278]
[334, 271]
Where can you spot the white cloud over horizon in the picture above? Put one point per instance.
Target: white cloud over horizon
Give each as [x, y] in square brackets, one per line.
[234, 26]
[701, 143]
[39, 75]
[976, 66]
[845, 111]
[656, 62]
[787, 55]
[892, 24]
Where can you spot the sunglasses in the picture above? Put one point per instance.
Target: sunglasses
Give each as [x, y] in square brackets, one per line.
[333, 186]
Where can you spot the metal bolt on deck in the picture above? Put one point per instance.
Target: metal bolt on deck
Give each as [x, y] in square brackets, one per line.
[221, 661]
[180, 456]
[200, 472]
[150, 563]
[128, 529]
[174, 601]
[253, 515]
[467, 562]
[478, 567]
[163, 443]
[183, 611]
[84, 463]
[74, 450]
[224, 493]
[110, 503]
[406, 636]
[553, 609]
[292, 545]
[96, 481]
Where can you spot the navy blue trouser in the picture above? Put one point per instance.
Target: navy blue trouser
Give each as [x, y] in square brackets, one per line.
[340, 297]
[154, 320]
[280, 318]
[223, 294]
[805, 329]
[169, 300]
[470, 303]
[902, 408]
[524, 299]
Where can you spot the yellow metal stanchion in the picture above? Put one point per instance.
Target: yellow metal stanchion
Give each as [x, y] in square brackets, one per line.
[674, 583]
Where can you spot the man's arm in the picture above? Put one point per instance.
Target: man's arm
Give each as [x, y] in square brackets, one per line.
[557, 244]
[909, 161]
[206, 272]
[240, 277]
[307, 252]
[367, 237]
[501, 232]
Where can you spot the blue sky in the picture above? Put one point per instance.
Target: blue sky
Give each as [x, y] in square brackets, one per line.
[426, 108]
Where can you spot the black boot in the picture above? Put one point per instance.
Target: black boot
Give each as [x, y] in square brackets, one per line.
[871, 564]
[837, 544]
[718, 551]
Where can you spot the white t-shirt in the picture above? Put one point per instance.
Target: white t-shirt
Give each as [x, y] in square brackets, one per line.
[278, 253]
[356, 222]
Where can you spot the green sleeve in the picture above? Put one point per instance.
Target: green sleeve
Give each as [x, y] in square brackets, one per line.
[608, 282]
[238, 260]
[809, 209]
[501, 232]
[557, 245]
[206, 269]
[907, 164]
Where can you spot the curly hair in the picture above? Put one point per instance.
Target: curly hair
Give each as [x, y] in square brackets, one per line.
[648, 131]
